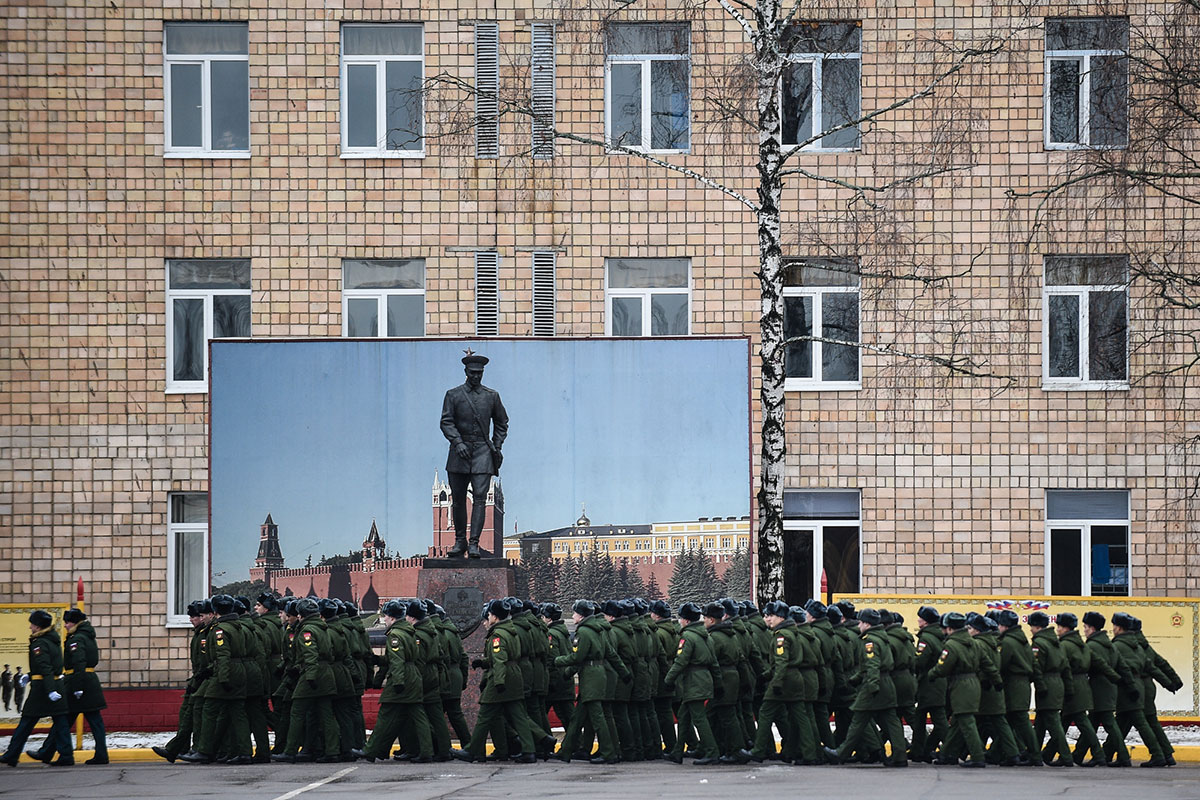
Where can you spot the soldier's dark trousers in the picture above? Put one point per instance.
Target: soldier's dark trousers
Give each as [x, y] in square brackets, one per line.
[924, 742]
[437, 727]
[963, 737]
[182, 740]
[226, 729]
[784, 714]
[726, 727]
[995, 727]
[1088, 740]
[59, 737]
[1151, 713]
[821, 720]
[665, 712]
[317, 713]
[862, 729]
[283, 721]
[1022, 728]
[1114, 741]
[647, 721]
[746, 709]
[1137, 719]
[360, 723]
[631, 741]
[692, 716]
[1049, 721]
[590, 714]
[404, 721]
[343, 713]
[256, 718]
[563, 710]
[842, 718]
[95, 725]
[452, 709]
[511, 713]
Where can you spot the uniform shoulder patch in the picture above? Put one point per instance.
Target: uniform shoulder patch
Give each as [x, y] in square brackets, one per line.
[308, 640]
[495, 644]
[74, 646]
[37, 649]
[870, 647]
[921, 647]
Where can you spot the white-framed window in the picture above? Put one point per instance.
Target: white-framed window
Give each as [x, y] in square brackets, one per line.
[206, 90]
[1087, 542]
[1086, 330]
[382, 79]
[822, 85]
[822, 296]
[207, 298]
[383, 289]
[821, 531]
[647, 86]
[187, 554]
[647, 296]
[1087, 82]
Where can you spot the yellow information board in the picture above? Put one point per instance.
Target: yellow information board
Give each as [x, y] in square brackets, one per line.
[14, 645]
[1171, 625]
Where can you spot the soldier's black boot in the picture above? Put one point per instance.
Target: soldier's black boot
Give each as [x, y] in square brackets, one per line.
[460, 547]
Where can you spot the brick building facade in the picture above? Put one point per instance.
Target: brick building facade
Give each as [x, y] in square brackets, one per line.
[146, 208]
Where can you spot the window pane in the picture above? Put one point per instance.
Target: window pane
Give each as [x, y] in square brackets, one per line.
[626, 125]
[1066, 567]
[381, 40]
[1087, 270]
[230, 105]
[1106, 336]
[669, 116]
[398, 273]
[797, 566]
[797, 321]
[1087, 33]
[188, 353]
[186, 118]
[361, 106]
[648, 273]
[1064, 100]
[1063, 319]
[189, 569]
[797, 102]
[207, 38]
[668, 315]
[231, 315]
[820, 505]
[209, 273]
[1080, 504]
[652, 39]
[822, 272]
[406, 315]
[403, 102]
[1108, 122]
[824, 37]
[189, 508]
[841, 558]
[362, 317]
[839, 320]
[627, 316]
[839, 100]
[1110, 559]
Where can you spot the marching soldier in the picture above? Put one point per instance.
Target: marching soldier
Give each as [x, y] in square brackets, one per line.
[667, 633]
[1077, 705]
[991, 720]
[199, 614]
[1131, 706]
[1016, 670]
[959, 665]
[694, 673]
[429, 658]
[781, 705]
[722, 709]
[267, 617]
[1104, 680]
[876, 699]
[904, 655]
[931, 691]
[750, 669]
[354, 725]
[316, 686]
[224, 726]
[282, 697]
[622, 639]
[254, 662]
[846, 667]
[456, 673]
[646, 644]
[587, 659]
[1160, 670]
[402, 702]
[84, 695]
[45, 695]
[561, 696]
[1050, 674]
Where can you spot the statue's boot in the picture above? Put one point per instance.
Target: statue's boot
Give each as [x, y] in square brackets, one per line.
[473, 549]
[460, 547]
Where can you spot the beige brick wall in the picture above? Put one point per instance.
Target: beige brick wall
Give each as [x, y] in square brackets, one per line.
[952, 469]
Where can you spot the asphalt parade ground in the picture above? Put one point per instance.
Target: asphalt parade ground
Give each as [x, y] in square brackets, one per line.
[581, 781]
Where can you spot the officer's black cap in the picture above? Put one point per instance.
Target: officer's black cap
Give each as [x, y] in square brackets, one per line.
[223, 604]
[929, 614]
[196, 608]
[992, 625]
[1122, 620]
[242, 603]
[292, 609]
[659, 608]
[640, 605]
[329, 608]
[847, 609]
[870, 616]
[797, 613]
[430, 607]
[817, 609]
[776, 608]
[351, 608]
[584, 608]
[992, 613]
[978, 622]
[1039, 619]
[551, 611]
[74, 616]
[714, 611]
[416, 610]
[394, 609]
[307, 607]
[1137, 624]
[730, 607]
[897, 618]
[1094, 619]
[474, 359]
[41, 619]
[689, 611]
[748, 608]
[498, 609]
[267, 601]
[834, 614]
[613, 609]
[953, 620]
[1067, 620]
[1008, 618]
[441, 612]
[885, 617]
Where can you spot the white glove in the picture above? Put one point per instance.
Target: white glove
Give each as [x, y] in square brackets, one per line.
[79, 694]
[24, 679]
[54, 697]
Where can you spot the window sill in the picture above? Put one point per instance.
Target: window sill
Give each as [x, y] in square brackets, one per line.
[352, 154]
[807, 385]
[1085, 386]
[185, 388]
[178, 622]
[820, 150]
[209, 156]
[1077, 146]
[643, 151]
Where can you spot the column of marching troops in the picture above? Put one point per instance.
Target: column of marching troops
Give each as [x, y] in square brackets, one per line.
[636, 682]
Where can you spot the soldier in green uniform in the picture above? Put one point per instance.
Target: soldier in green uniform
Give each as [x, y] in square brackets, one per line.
[1050, 677]
[1016, 670]
[1131, 708]
[876, 699]
[402, 702]
[760, 635]
[1077, 706]
[1104, 680]
[224, 727]
[199, 614]
[561, 695]
[267, 617]
[1160, 670]
[904, 654]
[343, 679]
[586, 659]
[81, 654]
[45, 699]
[456, 674]
[749, 670]
[622, 639]
[312, 698]
[693, 673]
[643, 696]
[429, 659]
[666, 632]
[846, 642]
[539, 657]
[807, 739]
[991, 719]
[781, 705]
[501, 692]
[931, 692]
[366, 665]
[254, 663]
[958, 663]
[282, 698]
[830, 669]
[722, 709]
[354, 725]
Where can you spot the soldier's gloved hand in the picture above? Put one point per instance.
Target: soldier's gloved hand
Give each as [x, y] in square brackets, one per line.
[23, 680]
[54, 697]
[462, 450]
[78, 694]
